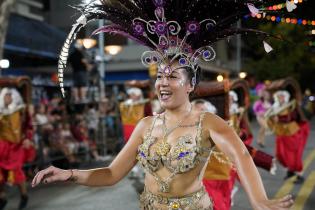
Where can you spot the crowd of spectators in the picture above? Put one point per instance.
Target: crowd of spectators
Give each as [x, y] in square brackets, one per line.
[65, 136]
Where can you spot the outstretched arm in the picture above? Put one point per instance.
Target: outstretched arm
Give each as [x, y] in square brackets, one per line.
[106, 176]
[228, 142]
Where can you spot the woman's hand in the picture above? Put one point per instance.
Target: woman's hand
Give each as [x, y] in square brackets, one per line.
[50, 175]
[277, 204]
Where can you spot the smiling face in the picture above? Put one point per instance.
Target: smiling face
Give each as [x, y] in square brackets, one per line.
[173, 89]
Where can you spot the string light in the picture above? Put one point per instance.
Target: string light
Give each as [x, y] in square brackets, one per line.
[280, 6]
[283, 19]
[287, 20]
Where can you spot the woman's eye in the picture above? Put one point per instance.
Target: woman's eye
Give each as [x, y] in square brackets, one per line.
[158, 76]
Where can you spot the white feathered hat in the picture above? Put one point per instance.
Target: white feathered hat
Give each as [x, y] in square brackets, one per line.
[135, 91]
[283, 93]
[17, 101]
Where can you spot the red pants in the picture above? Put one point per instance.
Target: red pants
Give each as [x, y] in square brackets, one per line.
[12, 158]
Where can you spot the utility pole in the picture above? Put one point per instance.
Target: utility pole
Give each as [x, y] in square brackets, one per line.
[101, 44]
[101, 69]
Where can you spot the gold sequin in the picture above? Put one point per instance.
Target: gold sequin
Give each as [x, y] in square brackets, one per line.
[175, 205]
[149, 201]
[180, 158]
[163, 148]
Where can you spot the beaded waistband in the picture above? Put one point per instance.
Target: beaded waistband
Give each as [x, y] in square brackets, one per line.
[148, 198]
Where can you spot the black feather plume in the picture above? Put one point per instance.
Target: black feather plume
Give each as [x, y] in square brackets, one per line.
[121, 14]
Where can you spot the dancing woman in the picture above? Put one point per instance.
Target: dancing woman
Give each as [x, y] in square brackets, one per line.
[173, 147]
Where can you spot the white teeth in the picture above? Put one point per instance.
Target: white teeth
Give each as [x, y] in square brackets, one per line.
[165, 92]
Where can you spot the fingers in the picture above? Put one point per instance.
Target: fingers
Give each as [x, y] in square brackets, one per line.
[50, 179]
[35, 179]
[286, 202]
[286, 198]
[281, 204]
[40, 175]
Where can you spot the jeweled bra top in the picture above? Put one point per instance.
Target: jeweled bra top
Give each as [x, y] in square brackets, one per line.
[186, 153]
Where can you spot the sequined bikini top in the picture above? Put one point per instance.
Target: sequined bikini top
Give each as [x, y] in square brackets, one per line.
[185, 155]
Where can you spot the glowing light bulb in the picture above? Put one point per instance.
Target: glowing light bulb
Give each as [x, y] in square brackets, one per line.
[220, 78]
[242, 75]
[4, 63]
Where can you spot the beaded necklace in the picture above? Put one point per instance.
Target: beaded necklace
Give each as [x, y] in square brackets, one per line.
[164, 147]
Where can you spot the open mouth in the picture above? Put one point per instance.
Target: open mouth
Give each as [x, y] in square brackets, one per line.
[165, 95]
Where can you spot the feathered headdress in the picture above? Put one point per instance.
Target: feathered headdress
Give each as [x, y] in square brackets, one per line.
[174, 30]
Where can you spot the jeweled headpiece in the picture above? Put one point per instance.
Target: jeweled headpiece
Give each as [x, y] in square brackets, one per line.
[169, 46]
[175, 30]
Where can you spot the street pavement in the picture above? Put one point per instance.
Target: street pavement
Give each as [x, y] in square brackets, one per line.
[124, 197]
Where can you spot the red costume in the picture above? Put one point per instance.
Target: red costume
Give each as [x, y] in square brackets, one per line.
[13, 131]
[291, 137]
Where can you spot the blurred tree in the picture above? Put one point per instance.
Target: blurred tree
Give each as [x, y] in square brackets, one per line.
[5, 9]
[291, 57]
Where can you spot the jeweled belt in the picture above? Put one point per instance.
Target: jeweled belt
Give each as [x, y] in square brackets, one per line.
[175, 202]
